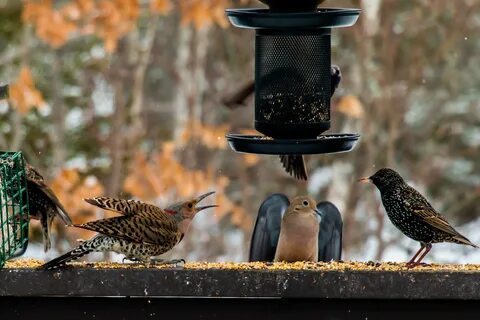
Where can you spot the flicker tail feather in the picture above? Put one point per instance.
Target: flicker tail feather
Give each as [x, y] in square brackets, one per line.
[76, 253]
[84, 248]
[295, 166]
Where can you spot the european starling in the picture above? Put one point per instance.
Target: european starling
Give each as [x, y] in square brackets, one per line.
[299, 232]
[43, 204]
[143, 232]
[412, 214]
[266, 232]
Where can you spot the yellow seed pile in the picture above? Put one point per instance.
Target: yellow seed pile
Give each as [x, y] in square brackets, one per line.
[320, 266]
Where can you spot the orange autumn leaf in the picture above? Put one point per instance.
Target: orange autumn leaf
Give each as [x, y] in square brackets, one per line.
[51, 26]
[250, 159]
[212, 137]
[351, 106]
[160, 6]
[23, 93]
[202, 13]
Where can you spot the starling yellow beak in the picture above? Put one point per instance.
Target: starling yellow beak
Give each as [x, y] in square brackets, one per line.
[203, 196]
[365, 180]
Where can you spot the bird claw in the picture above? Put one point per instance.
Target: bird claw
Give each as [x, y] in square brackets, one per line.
[131, 259]
[411, 265]
[173, 262]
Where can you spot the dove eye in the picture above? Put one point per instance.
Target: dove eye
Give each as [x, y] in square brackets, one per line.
[190, 206]
[305, 203]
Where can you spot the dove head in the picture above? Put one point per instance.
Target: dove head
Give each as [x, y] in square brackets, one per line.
[303, 205]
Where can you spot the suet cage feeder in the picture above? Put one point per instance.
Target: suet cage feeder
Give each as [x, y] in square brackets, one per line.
[14, 206]
[292, 77]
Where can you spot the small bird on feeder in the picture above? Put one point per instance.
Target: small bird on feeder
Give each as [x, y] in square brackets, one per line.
[299, 232]
[43, 204]
[143, 232]
[412, 214]
[293, 164]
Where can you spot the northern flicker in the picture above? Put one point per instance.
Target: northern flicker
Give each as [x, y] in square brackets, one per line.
[143, 232]
[412, 214]
[43, 204]
[298, 239]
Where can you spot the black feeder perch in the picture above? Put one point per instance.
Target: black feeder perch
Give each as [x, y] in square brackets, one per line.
[292, 78]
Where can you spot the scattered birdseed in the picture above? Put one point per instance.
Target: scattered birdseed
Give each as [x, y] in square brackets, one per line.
[311, 266]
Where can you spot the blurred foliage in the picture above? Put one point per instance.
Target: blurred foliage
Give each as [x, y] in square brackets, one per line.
[122, 97]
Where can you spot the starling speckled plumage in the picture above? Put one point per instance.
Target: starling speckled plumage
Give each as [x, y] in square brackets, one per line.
[144, 231]
[43, 204]
[298, 239]
[412, 214]
[295, 164]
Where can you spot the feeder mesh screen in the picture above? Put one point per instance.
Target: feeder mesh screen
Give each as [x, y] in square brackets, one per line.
[13, 205]
[292, 78]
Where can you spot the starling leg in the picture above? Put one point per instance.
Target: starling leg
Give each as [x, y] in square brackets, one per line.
[412, 261]
[427, 250]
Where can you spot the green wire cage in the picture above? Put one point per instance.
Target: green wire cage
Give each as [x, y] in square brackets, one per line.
[13, 205]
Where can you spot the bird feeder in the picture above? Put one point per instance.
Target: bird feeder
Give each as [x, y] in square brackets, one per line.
[292, 77]
[13, 205]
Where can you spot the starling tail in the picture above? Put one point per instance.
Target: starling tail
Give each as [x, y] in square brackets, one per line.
[412, 214]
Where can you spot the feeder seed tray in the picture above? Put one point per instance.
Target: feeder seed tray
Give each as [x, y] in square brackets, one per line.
[328, 143]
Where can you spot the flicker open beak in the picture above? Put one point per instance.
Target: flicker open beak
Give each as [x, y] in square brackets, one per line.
[365, 180]
[203, 196]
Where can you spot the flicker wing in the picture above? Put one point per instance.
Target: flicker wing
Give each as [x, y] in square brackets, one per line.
[125, 207]
[137, 228]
